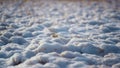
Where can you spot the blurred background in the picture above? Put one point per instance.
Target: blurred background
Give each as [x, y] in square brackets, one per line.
[114, 3]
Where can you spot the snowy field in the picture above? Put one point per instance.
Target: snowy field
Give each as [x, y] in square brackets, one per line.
[60, 34]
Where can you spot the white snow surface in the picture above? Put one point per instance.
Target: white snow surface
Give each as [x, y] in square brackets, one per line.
[59, 35]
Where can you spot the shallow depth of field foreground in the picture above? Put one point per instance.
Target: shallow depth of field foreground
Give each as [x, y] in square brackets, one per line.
[59, 34]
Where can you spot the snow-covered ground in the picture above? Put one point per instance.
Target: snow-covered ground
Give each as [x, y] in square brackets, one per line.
[59, 35]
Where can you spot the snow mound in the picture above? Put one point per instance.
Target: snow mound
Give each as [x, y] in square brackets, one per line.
[4, 40]
[61, 62]
[8, 34]
[49, 47]
[111, 59]
[116, 65]
[78, 65]
[27, 34]
[28, 53]
[69, 54]
[37, 59]
[51, 65]
[110, 49]
[89, 48]
[18, 40]
[16, 59]
[3, 54]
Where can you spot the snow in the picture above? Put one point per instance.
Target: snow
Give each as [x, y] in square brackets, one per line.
[2, 54]
[59, 34]
[51, 65]
[89, 48]
[8, 34]
[15, 59]
[62, 62]
[28, 53]
[49, 47]
[116, 65]
[37, 59]
[1, 43]
[78, 65]
[4, 39]
[111, 59]
[27, 34]
[69, 54]
[18, 40]
[110, 49]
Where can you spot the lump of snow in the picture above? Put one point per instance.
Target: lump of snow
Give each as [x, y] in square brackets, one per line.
[94, 23]
[13, 25]
[47, 24]
[92, 58]
[104, 66]
[4, 39]
[111, 59]
[37, 59]
[73, 30]
[113, 28]
[32, 46]
[72, 48]
[28, 53]
[42, 59]
[3, 28]
[115, 40]
[116, 65]
[37, 65]
[108, 41]
[27, 34]
[118, 44]
[89, 48]
[35, 33]
[58, 29]
[18, 40]
[51, 65]
[16, 59]
[11, 47]
[31, 61]
[78, 65]
[49, 47]
[110, 49]
[11, 30]
[105, 29]
[109, 28]
[116, 16]
[8, 34]
[1, 43]
[3, 54]
[84, 59]
[35, 28]
[60, 40]
[100, 66]
[69, 54]
[3, 24]
[61, 62]
[17, 33]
